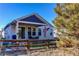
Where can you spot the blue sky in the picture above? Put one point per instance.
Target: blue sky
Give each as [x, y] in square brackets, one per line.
[11, 11]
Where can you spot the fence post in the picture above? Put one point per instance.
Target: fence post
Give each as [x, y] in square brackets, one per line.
[28, 47]
[3, 51]
[48, 45]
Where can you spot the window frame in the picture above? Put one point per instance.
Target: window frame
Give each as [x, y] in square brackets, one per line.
[34, 31]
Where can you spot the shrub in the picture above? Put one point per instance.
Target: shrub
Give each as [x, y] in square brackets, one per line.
[67, 43]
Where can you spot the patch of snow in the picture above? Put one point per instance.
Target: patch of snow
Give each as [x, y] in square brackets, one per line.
[8, 49]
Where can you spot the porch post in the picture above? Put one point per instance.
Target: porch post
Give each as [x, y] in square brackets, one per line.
[17, 30]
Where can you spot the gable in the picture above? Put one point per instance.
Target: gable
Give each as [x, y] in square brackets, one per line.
[32, 18]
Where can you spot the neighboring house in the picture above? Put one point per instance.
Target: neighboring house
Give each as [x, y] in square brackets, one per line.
[0, 34]
[29, 27]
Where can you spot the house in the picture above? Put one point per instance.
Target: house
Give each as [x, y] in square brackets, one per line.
[0, 34]
[32, 26]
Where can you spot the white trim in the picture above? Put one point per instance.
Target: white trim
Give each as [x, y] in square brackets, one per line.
[17, 24]
[31, 23]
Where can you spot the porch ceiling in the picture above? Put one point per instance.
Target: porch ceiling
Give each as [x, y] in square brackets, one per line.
[31, 23]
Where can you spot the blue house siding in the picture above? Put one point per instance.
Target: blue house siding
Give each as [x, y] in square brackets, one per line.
[32, 18]
[11, 29]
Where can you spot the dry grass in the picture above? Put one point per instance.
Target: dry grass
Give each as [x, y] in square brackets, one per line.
[66, 47]
[56, 52]
[67, 43]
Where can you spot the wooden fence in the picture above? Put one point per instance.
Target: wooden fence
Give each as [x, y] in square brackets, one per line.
[29, 43]
[45, 42]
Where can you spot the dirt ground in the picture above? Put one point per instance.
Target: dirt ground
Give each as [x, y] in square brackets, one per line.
[56, 52]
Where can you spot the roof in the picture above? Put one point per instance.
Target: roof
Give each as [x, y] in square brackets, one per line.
[34, 17]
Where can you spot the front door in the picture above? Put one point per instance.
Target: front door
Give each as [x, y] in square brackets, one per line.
[22, 32]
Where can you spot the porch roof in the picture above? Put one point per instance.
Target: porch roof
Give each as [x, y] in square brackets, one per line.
[31, 23]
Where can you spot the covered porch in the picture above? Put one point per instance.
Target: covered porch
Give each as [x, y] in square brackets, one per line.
[28, 30]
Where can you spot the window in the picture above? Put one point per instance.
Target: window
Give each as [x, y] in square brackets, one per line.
[39, 32]
[51, 33]
[29, 31]
[34, 31]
